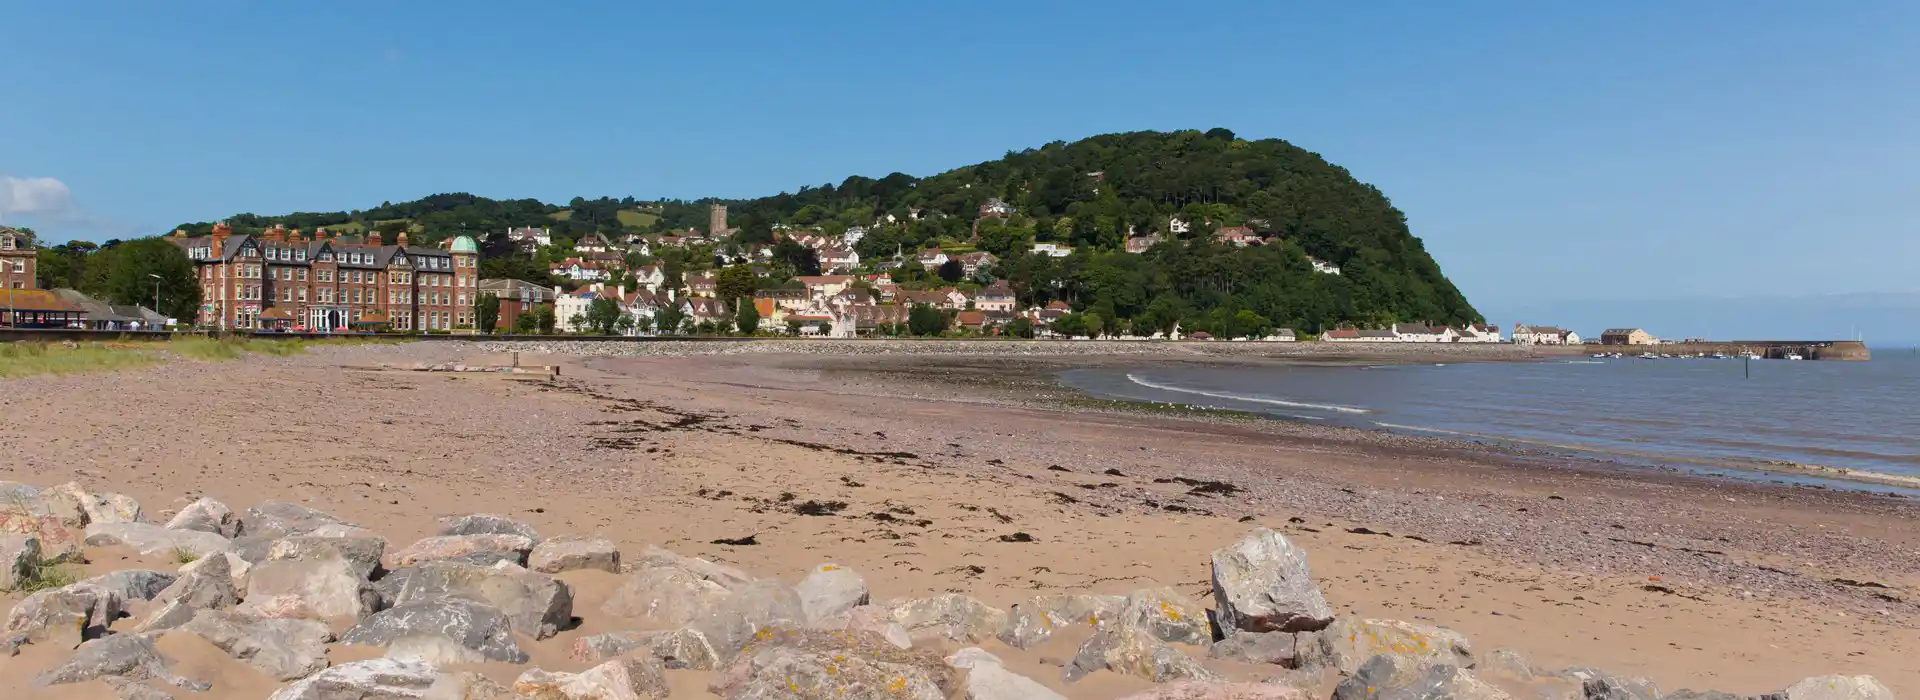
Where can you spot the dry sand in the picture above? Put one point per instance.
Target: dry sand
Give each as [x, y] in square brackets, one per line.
[1694, 583]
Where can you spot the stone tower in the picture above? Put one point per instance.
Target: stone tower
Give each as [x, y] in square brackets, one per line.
[717, 221]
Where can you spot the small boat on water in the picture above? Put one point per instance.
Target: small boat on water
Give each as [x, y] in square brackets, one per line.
[1750, 355]
[1794, 356]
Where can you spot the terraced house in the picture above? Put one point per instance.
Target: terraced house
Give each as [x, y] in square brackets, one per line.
[281, 279]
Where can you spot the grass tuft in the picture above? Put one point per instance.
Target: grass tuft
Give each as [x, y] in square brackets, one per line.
[182, 555]
[28, 358]
[44, 576]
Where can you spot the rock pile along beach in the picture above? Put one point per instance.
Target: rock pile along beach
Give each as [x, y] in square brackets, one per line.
[313, 607]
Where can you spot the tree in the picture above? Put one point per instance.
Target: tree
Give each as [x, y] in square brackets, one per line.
[826, 328]
[577, 323]
[793, 326]
[669, 318]
[603, 316]
[747, 318]
[546, 320]
[486, 312]
[734, 284]
[952, 271]
[800, 259]
[527, 322]
[626, 324]
[1020, 327]
[125, 276]
[926, 320]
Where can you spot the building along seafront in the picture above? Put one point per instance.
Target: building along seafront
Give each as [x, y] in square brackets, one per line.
[282, 280]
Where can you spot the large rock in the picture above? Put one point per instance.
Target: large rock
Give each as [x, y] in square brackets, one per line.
[1839, 688]
[684, 648]
[1391, 678]
[59, 540]
[433, 649]
[538, 605]
[276, 519]
[150, 539]
[473, 625]
[362, 552]
[1262, 584]
[207, 515]
[375, 679]
[668, 595]
[1201, 690]
[868, 619]
[747, 612]
[65, 616]
[94, 508]
[473, 549]
[788, 664]
[486, 524]
[284, 649]
[134, 584]
[322, 588]
[207, 587]
[620, 679]
[831, 589]
[952, 617]
[1351, 642]
[572, 553]
[1600, 685]
[1137, 652]
[129, 656]
[721, 574]
[237, 568]
[988, 679]
[1168, 615]
[1036, 620]
[20, 560]
[1277, 648]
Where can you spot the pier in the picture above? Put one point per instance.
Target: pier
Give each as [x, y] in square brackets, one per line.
[1833, 350]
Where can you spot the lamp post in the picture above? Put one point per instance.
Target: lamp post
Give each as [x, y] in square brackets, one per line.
[156, 293]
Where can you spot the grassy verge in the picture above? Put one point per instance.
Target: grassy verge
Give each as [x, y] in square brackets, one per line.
[28, 358]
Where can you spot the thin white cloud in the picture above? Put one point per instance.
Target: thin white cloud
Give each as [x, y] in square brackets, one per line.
[35, 196]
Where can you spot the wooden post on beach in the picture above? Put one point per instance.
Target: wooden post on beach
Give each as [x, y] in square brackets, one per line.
[1747, 361]
[516, 358]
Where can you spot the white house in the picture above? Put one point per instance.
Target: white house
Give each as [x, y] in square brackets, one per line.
[1324, 267]
[1480, 333]
[580, 270]
[995, 297]
[1524, 334]
[529, 238]
[932, 258]
[1422, 333]
[593, 243]
[853, 235]
[838, 258]
[567, 306]
[1054, 250]
[995, 207]
[1178, 226]
[650, 277]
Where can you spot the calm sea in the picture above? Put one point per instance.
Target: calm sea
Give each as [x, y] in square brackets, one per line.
[1696, 413]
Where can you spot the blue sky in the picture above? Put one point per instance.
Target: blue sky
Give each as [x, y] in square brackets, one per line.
[1543, 150]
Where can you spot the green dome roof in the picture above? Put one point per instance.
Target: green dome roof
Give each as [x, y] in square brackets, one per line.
[465, 244]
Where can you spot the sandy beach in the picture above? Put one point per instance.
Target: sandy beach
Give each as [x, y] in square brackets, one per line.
[971, 473]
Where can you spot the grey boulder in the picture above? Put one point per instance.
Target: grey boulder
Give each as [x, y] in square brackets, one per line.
[620, 679]
[134, 584]
[486, 524]
[19, 560]
[572, 553]
[951, 616]
[1168, 615]
[1351, 642]
[747, 612]
[1839, 688]
[321, 588]
[284, 649]
[129, 656]
[474, 549]
[64, 616]
[1277, 648]
[151, 539]
[207, 587]
[988, 679]
[276, 519]
[363, 553]
[831, 589]
[1388, 678]
[816, 664]
[1202, 690]
[206, 515]
[668, 595]
[374, 679]
[473, 625]
[1262, 584]
[1137, 652]
[1036, 620]
[538, 605]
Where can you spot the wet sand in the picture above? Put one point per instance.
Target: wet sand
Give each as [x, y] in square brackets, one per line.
[923, 483]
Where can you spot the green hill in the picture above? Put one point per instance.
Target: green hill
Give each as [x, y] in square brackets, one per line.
[1089, 195]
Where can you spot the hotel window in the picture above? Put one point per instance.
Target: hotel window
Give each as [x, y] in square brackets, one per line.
[303, 295]
[301, 274]
[300, 255]
[286, 295]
